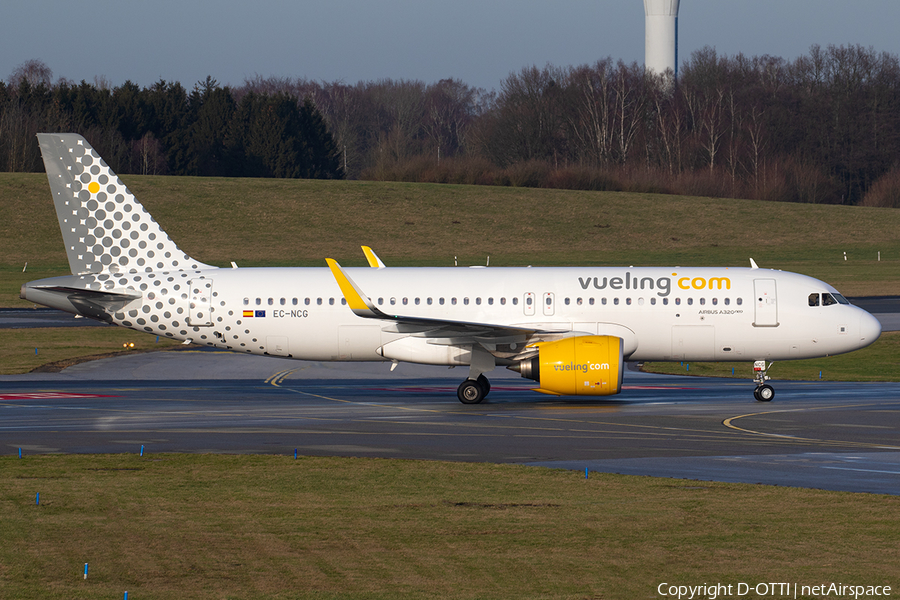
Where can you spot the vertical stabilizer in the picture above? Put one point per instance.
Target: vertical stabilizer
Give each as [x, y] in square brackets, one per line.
[104, 227]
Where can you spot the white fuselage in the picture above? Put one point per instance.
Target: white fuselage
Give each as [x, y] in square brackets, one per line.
[699, 314]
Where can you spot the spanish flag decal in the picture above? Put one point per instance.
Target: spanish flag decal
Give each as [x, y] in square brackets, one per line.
[248, 313]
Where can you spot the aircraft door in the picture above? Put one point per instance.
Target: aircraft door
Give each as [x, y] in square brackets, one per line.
[200, 302]
[764, 298]
[528, 304]
[548, 303]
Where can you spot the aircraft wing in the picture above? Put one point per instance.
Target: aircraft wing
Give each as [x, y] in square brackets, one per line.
[451, 331]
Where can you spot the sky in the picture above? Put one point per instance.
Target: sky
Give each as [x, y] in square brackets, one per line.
[479, 42]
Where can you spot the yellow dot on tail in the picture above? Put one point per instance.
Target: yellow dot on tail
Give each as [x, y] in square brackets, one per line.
[93, 187]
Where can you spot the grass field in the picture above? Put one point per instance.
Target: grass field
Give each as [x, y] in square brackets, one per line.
[23, 350]
[269, 222]
[253, 527]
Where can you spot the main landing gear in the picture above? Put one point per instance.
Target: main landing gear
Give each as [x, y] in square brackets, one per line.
[473, 391]
[476, 387]
[763, 392]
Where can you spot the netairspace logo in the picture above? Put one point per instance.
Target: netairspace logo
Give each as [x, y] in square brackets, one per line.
[771, 590]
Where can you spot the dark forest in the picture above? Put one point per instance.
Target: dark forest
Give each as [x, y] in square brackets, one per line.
[823, 128]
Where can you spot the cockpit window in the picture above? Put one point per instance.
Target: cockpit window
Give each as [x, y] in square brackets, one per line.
[827, 299]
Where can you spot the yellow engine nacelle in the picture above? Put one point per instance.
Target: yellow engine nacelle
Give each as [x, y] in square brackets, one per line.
[590, 365]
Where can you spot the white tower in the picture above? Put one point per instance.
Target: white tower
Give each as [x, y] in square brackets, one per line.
[661, 36]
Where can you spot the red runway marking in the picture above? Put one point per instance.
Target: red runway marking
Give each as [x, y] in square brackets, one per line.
[48, 396]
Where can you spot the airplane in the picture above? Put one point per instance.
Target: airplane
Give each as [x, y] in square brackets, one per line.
[570, 329]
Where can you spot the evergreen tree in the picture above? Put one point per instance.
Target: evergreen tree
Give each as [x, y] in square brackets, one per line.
[320, 156]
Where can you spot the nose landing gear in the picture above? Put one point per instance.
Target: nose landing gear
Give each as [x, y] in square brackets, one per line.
[763, 392]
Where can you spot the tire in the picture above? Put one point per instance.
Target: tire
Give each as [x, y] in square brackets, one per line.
[765, 393]
[470, 392]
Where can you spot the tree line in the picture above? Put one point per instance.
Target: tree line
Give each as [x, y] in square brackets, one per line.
[822, 128]
[164, 129]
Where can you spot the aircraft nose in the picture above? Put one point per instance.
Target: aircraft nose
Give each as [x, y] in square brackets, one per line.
[869, 328]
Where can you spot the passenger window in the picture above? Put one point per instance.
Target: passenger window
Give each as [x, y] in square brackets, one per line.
[453, 301]
[271, 301]
[652, 301]
[515, 301]
[319, 301]
[690, 301]
[294, 301]
[702, 301]
[603, 301]
[739, 301]
[677, 301]
[503, 301]
[259, 301]
[490, 301]
[246, 301]
[428, 302]
[591, 301]
[813, 299]
[343, 302]
[478, 301]
[727, 301]
[665, 301]
[416, 301]
[578, 302]
[628, 301]
[331, 301]
[380, 301]
[441, 301]
[616, 301]
[566, 301]
[393, 301]
[283, 301]
[306, 301]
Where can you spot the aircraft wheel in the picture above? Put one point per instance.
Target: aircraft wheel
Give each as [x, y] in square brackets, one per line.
[764, 393]
[484, 383]
[470, 392]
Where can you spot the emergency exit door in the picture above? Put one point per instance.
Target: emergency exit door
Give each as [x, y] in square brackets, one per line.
[765, 300]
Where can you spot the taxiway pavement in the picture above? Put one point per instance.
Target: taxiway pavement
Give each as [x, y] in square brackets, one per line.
[836, 436]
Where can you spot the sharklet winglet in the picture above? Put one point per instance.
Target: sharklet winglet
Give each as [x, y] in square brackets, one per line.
[372, 258]
[356, 300]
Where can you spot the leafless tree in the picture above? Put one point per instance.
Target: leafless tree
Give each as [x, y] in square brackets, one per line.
[34, 72]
